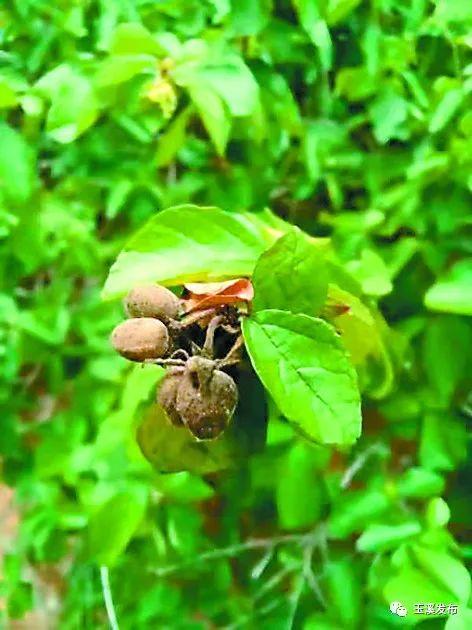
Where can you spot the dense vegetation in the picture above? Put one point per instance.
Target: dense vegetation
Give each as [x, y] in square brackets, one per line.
[350, 120]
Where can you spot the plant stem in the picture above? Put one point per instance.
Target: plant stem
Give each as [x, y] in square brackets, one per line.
[108, 598]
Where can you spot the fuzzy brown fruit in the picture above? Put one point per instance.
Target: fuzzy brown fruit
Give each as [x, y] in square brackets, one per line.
[141, 338]
[167, 394]
[206, 398]
[152, 301]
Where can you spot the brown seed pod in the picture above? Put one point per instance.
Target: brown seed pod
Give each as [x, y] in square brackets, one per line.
[152, 301]
[206, 398]
[167, 394]
[141, 338]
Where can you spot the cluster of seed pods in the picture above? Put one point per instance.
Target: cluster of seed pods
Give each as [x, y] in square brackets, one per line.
[195, 392]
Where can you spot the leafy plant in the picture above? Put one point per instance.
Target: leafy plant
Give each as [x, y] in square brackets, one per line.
[152, 138]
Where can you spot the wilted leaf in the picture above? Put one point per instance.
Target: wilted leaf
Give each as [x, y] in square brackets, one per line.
[207, 294]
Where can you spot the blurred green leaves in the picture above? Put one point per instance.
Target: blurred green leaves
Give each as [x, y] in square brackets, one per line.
[351, 122]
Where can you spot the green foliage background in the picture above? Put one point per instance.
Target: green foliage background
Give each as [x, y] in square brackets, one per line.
[349, 119]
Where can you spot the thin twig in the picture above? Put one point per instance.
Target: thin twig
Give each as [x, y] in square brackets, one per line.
[310, 576]
[295, 600]
[359, 463]
[233, 355]
[207, 349]
[108, 598]
[193, 318]
[233, 550]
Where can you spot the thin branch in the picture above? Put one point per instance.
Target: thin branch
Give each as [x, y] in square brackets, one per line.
[295, 600]
[233, 356]
[108, 598]
[359, 463]
[233, 550]
[310, 576]
[207, 349]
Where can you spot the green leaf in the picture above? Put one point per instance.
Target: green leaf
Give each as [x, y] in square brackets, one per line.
[445, 110]
[419, 483]
[345, 591]
[192, 244]
[121, 68]
[461, 621]
[452, 292]
[300, 284]
[133, 38]
[214, 114]
[443, 442]
[233, 82]
[173, 449]
[306, 369]
[184, 487]
[445, 570]
[316, 28]
[372, 273]
[383, 537]
[74, 106]
[389, 113]
[248, 17]
[171, 141]
[354, 510]
[437, 513]
[447, 351]
[338, 10]
[113, 525]
[298, 477]
[17, 174]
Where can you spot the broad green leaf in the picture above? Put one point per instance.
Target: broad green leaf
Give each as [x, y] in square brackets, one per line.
[303, 364]
[74, 106]
[121, 68]
[300, 283]
[173, 449]
[437, 513]
[447, 353]
[372, 273]
[112, 526]
[17, 174]
[184, 487]
[461, 621]
[443, 441]
[299, 492]
[171, 141]
[192, 244]
[389, 113]
[345, 591]
[248, 17]
[337, 10]
[452, 292]
[356, 84]
[419, 483]
[133, 38]
[316, 28]
[445, 109]
[364, 333]
[446, 570]
[378, 538]
[355, 510]
[233, 82]
[411, 586]
[214, 114]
